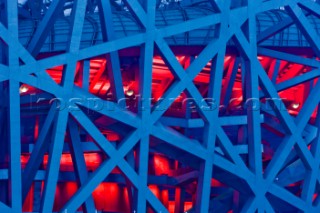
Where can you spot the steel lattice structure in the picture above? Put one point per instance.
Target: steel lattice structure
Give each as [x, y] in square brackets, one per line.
[285, 179]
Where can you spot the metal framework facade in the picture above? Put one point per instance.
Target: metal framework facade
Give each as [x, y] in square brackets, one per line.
[256, 185]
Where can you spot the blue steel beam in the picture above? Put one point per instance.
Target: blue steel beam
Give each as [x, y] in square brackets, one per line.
[14, 113]
[25, 56]
[253, 111]
[288, 57]
[138, 39]
[37, 154]
[271, 31]
[282, 114]
[282, 151]
[198, 122]
[79, 162]
[113, 61]
[309, 184]
[252, 93]
[138, 11]
[179, 73]
[276, 70]
[85, 74]
[78, 14]
[4, 73]
[310, 103]
[116, 157]
[145, 79]
[90, 146]
[230, 79]
[46, 24]
[117, 178]
[305, 27]
[231, 22]
[55, 153]
[298, 80]
[214, 92]
[113, 67]
[291, 125]
[310, 7]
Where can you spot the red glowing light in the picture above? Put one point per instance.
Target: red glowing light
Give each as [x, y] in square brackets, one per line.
[155, 190]
[171, 206]
[162, 78]
[93, 160]
[161, 165]
[36, 129]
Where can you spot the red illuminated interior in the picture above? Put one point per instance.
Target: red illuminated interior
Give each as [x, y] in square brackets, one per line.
[162, 78]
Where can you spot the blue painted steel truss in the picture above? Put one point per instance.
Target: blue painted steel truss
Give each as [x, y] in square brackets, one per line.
[249, 184]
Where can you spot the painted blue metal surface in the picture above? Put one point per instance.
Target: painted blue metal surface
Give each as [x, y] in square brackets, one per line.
[126, 25]
[249, 184]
